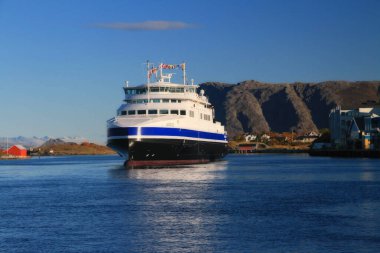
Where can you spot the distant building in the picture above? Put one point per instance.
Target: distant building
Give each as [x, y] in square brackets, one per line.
[250, 137]
[250, 147]
[356, 129]
[308, 138]
[364, 133]
[313, 134]
[305, 139]
[17, 150]
[265, 137]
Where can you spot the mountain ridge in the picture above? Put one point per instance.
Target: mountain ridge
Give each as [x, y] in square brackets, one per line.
[29, 142]
[257, 107]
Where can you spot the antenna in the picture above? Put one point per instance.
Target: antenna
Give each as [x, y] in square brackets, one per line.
[148, 78]
[183, 66]
[161, 71]
[147, 72]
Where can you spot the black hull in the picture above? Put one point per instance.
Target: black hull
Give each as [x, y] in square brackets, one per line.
[168, 150]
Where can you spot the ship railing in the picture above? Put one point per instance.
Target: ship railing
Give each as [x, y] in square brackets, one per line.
[111, 120]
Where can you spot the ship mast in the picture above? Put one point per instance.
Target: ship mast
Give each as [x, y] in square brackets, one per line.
[160, 71]
[147, 72]
[183, 66]
[148, 78]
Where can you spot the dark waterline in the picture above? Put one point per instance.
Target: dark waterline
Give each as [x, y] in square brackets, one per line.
[246, 203]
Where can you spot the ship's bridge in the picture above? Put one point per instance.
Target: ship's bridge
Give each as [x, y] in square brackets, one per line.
[160, 87]
[162, 92]
[163, 84]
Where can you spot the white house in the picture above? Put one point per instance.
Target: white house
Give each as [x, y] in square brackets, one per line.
[250, 137]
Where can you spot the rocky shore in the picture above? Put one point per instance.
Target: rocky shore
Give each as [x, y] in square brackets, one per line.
[57, 147]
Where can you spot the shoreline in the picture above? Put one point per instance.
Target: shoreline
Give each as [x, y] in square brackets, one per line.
[345, 153]
[57, 155]
[15, 158]
[271, 151]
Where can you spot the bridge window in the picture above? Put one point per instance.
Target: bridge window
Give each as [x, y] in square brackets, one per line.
[154, 89]
[164, 111]
[174, 112]
[165, 100]
[182, 112]
[123, 112]
[175, 101]
[141, 112]
[152, 111]
[132, 112]
[155, 100]
[132, 91]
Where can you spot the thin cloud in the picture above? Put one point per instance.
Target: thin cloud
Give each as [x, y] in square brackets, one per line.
[146, 26]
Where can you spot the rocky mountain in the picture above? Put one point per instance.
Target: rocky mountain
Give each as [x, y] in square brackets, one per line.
[257, 107]
[59, 147]
[52, 142]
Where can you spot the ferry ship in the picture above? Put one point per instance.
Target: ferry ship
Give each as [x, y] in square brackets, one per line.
[165, 123]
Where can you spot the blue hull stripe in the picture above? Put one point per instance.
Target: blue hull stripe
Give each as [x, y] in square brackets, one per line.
[162, 131]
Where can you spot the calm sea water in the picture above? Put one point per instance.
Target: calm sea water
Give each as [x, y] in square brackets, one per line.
[246, 203]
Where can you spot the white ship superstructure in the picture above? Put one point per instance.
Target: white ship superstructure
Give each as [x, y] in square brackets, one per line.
[166, 123]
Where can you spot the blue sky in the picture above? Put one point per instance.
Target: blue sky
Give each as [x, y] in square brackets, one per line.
[63, 63]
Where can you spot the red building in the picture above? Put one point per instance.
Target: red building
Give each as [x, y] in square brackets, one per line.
[17, 150]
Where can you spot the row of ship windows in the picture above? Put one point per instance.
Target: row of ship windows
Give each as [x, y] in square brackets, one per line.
[131, 91]
[144, 101]
[164, 112]
[142, 112]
